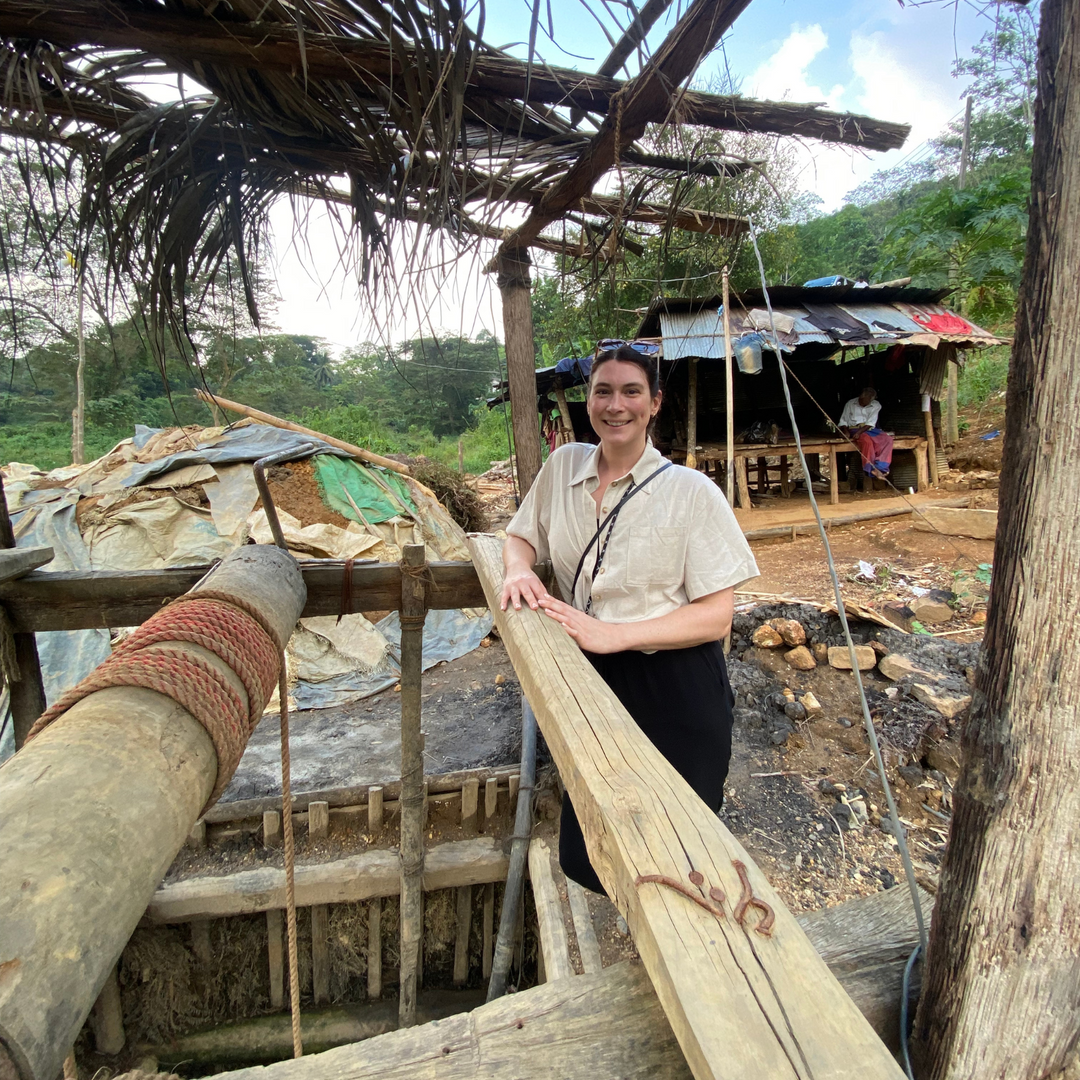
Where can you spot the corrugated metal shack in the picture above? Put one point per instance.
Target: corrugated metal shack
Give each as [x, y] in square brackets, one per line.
[834, 341]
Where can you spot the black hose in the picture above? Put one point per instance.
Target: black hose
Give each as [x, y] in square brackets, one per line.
[519, 853]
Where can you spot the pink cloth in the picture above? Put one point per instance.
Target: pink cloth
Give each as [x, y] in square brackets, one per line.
[876, 450]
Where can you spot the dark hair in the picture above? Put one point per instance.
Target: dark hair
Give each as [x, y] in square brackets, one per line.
[650, 366]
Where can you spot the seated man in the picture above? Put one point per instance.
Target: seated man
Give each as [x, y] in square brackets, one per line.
[859, 422]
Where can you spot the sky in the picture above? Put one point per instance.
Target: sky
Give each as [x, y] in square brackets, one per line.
[874, 57]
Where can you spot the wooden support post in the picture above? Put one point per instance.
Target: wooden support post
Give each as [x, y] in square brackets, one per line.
[834, 477]
[513, 783]
[549, 913]
[489, 930]
[470, 800]
[743, 483]
[922, 468]
[491, 801]
[584, 931]
[515, 288]
[275, 955]
[320, 953]
[108, 1018]
[271, 829]
[318, 822]
[761, 1001]
[92, 812]
[691, 415]
[729, 395]
[411, 801]
[785, 482]
[931, 448]
[196, 839]
[374, 949]
[374, 808]
[565, 422]
[461, 940]
[27, 699]
[952, 419]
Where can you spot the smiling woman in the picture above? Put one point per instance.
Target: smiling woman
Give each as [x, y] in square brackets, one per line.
[648, 555]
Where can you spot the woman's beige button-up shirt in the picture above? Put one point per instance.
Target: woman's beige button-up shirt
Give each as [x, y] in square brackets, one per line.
[674, 541]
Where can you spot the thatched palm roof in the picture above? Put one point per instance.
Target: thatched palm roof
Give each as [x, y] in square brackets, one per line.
[427, 122]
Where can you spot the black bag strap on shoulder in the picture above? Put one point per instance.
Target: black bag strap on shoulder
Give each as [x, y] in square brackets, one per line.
[631, 491]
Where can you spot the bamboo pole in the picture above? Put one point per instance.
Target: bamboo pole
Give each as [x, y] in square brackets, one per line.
[288, 425]
[413, 608]
[78, 417]
[92, 812]
[564, 415]
[729, 383]
[931, 448]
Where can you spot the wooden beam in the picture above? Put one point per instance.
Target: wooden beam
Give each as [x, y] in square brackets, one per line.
[740, 1002]
[584, 931]
[554, 944]
[78, 600]
[695, 34]
[372, 874]
[633, 36]
[18, 562]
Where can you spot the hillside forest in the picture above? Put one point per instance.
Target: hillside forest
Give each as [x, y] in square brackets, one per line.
[920, 219]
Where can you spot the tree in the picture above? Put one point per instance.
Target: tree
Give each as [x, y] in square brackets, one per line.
[1001, 993]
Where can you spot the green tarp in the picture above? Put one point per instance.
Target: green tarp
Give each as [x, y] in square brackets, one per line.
[379, 494]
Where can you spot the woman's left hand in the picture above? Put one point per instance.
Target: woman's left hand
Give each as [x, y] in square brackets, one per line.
[591, 634]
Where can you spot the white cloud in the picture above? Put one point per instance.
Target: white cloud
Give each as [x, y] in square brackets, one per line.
[784, 74]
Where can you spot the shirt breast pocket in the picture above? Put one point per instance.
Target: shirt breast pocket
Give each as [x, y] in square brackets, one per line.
[655, 556]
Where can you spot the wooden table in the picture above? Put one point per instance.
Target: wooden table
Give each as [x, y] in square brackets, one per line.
[716, 452]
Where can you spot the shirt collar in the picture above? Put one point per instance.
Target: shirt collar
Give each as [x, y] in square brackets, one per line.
[650, 460]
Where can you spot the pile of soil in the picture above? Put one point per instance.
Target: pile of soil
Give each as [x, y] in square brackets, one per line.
[295, 490]
[973, 452]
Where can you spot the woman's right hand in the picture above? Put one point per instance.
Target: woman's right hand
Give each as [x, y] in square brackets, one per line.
[522, 585]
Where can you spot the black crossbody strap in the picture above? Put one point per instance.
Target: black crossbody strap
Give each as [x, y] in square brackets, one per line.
[630, 491]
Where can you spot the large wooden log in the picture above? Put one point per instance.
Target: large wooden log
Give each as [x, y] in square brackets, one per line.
[740, 1002]
[92, 812]
[374, 874]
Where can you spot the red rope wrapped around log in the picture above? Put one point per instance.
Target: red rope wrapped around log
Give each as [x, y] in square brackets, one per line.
[224, 625]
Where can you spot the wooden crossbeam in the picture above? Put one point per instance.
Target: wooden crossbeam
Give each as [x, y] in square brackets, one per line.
[740, 1003]
[692, 38]
[267, 47]
[18, 562]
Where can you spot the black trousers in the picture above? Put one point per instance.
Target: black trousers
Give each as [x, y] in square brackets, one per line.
[682, 700]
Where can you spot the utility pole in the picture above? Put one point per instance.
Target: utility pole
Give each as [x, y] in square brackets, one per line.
[952, 422]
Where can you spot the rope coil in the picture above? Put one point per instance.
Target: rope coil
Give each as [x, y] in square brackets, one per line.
[153, 658]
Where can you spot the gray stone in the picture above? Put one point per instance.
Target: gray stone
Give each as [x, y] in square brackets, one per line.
[912, 775]
[795, 711]
[858, 808]
[843, 721]
[779, 735]
[956, 521]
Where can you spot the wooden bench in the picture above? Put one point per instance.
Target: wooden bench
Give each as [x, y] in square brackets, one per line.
[761, 452]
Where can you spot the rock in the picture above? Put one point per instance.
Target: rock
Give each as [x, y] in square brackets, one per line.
[827, 787]
[788, 695]
[810, 703]
[767, 637]
[795, 711]
[843, 721]
[952, 521]
[912, 775]
[840, 658]
[898, 614]
[880, 648]
[979, 618]
[801, 659]
[943, 759]
[895, 667]
[500, 679]
[779, 735]
[949, 703]
[930, 612]
[846, 816]
[821, 652]
[858, 809]
[790, 630]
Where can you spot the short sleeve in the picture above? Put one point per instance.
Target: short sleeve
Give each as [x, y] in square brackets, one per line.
[533, 518]
[717, 554]
[846, 418]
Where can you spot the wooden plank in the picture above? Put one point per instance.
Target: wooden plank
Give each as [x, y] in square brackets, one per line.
[834, 477]
[318, 822]
[554, 944]
[375, 808]
[461, 939]
[587, 1028]
[584, 931]
[491, 801]
[320, 953]
[742, 484]
[978, 524]
[810, 528]
[470, 800]
[83, 600]
[271, 828]
[276, 957]
[366, 876]
[740, 1002]
[441, 783]
[922, 469]
[18, 562]
[488, 948]
[374, 953]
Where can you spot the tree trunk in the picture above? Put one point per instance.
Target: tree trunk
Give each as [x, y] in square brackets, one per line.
[520, 364]
[1002, 990]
